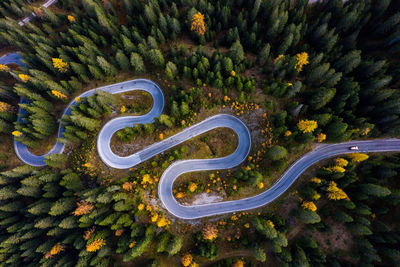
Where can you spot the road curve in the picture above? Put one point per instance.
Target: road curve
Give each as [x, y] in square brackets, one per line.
[280, 187]
[185, 166]
[139, 84]
[220, 120]
[180, 167]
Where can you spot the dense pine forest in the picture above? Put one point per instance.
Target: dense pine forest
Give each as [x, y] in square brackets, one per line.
[298, 74]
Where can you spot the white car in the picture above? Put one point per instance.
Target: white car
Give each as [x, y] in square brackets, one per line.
[353, 148]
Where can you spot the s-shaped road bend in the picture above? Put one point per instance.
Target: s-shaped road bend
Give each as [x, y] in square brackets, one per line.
[185, 166]
[180, 167]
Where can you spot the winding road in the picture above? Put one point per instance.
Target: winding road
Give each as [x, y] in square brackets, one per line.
[186, 166]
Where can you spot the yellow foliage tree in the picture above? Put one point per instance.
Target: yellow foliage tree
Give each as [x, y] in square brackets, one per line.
[180, 195]
[239, 263]
[358, 157]
[316, 180]
[337, 169]
[210, 232]
[4, 68]
[141, 206]
[316, 196]
[17, 133]
[127, 186]
[307, 126]
[341, 162]
[95, 245]
[198, 25]
[59, 64]
[321, 137]
[335, 193]
[309, 205]
[71, 18]
[187, 259]
[83, 208]
[302, 59]
[192, 187]
[271, 223]
[56, 249]
[146, 179]
[154, 217]
[288, 133]
[24, 77]
[4, 107]
[123, 109]
[88, 233]
[278, 58]
[58, 94]
[162, 222]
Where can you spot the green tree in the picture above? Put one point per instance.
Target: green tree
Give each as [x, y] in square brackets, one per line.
[108, 69]
[374, 190]
[321, 97]
[307, 216]
[171, 70]
[56, 160]
[175, 245]
[259, 254]
[227, 65]
[62, 206]
[236, 52]
[122, 60]
[137, 63]
[276, 153]
[156, 58]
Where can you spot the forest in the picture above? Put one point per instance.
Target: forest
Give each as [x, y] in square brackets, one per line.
[299, 74]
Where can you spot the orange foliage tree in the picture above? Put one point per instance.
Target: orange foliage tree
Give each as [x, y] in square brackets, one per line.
[186, 259]
[4, 107]
[321, 137]
[83, 208]
[210, 232]
[198, 25]
[4, 68]
[95, 245]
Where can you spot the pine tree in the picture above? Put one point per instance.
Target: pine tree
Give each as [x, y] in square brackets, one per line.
[62, 206]
[321, 97]
[175, 245]
[171, 70]
[122, 61]
[227, 65]
[129, 47]
[55, 160]
[108, 69]
[156, 58]
[137, 63]
[236, 52]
